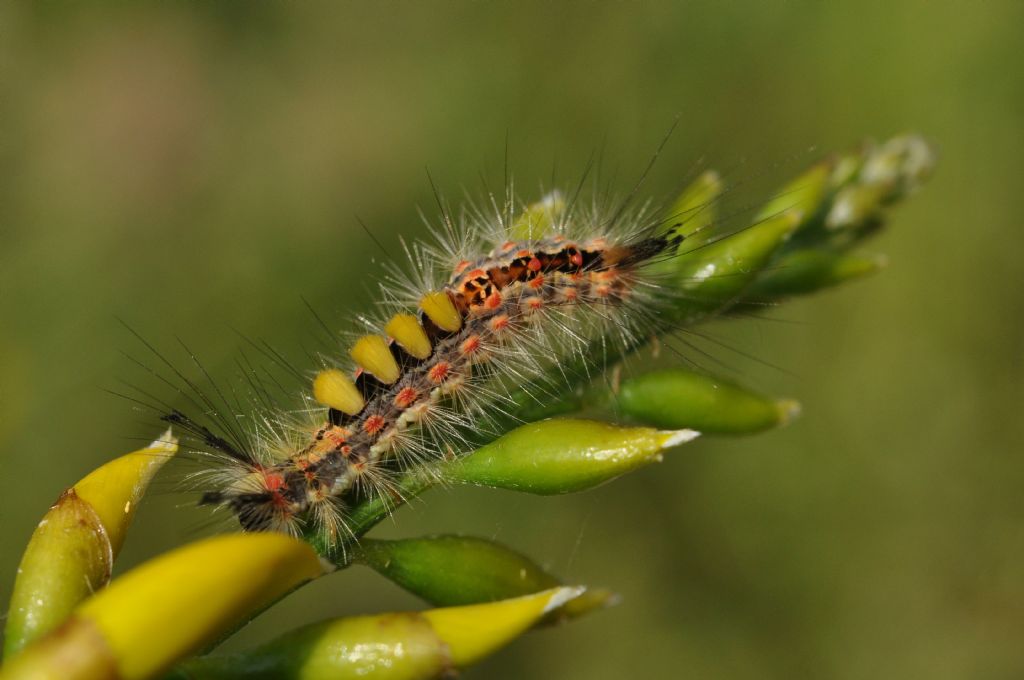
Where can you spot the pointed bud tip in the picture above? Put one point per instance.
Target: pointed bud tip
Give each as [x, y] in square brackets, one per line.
[789, 410]
[166, 442]
[472, 632]
[674, 438]
[560, 596]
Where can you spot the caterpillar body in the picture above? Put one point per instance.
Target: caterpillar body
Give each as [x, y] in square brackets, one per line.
[477, 315]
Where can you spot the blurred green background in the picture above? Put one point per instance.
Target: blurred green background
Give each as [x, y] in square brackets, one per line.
[197, 167]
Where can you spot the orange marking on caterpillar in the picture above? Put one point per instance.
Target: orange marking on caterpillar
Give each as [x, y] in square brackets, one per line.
[439, 372]
[272, 481]
[534, 303]
[536, 283]
[534, 264]
[493, 300]
[499, 323]
[374, 424]
[406, 397]
[470, 345]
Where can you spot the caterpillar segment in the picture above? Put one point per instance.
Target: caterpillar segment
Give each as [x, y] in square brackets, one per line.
[410, 386]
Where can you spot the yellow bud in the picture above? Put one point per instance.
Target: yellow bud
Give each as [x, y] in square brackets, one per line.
[169, 608]
[72, 550]
[184, 599]
[475, 631]
[373, 354]
[115, 489]
[438, 306]
[407, 332]
[333, 388]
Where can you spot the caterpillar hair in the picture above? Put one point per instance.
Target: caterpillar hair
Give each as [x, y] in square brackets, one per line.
[496, 303]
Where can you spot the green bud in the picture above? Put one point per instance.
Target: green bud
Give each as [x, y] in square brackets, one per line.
[451, 570]
[804, 195]
[807, 271]
[72, 551]
[856, 205]
[540, 218]
[694, 211]
[66, 560]
[397, 646]
[901, 165]
[846, 169]
[563, 455]
[714, 274]
[675, 398]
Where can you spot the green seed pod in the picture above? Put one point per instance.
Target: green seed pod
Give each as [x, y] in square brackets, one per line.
[676, 398]
[808, 271]
[563, 455]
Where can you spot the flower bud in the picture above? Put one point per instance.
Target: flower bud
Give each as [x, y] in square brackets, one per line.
[901, 165]
[712, 275]
[803, 195]
[454, 570]
[170, 607]
[72, 550]
[807, 271]
[693, 213]
[677, 397]
[540, 218]
[563, 455]
[398, 646]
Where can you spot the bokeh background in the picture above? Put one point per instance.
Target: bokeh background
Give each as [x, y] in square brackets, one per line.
[193, 168]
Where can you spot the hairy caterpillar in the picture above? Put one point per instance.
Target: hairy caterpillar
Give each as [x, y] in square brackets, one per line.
[498, 302]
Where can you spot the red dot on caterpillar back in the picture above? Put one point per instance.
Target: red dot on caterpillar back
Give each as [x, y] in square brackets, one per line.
[499, 323]
[439, 372]
[374, 424]
[405, 397]
[493, 300]
[470, 345]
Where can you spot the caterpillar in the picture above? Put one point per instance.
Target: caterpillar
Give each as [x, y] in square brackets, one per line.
[497, 302]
